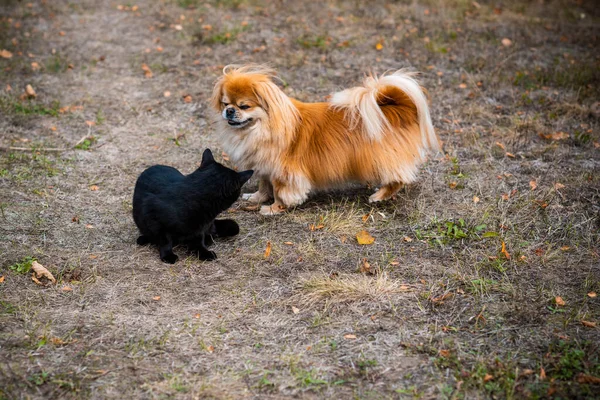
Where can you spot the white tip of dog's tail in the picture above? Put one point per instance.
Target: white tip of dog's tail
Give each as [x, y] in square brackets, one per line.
[366, 101]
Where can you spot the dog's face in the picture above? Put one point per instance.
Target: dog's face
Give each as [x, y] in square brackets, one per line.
[238, 102]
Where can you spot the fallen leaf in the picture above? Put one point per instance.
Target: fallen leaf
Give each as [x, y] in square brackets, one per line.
[487, 378]
[295, 310]
[2, 279]
[475, 199]
[30, 92]
[187, 98]
[565, 248]
[394, 262]
[453, 184]
[589, 379]
[558, 186]
[67, 289]
[440, 299]
[94, 188]
[210, 348]
[592, 294]
[554, 136]
[268, 249]
[57, 341]
[5, 54]
[156, 298]
[589, 324]
[365, 217]
[39, 271]
[500, 145]
[35, 66]
[363, 237]
[167, 93]
[511, 155]
[404, 287]
[542, 374]
[349, 336]
[89, 226]
[197, 316]
[378, 46]
[506, 42]
[407, 239]
[533, 185]
[147, 71]
[527, 372]
[559, 301]
[503, 251]
[462, 86]
[444, 353]
[365, 267]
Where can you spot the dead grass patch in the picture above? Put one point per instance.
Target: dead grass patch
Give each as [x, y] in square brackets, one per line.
[345, 288]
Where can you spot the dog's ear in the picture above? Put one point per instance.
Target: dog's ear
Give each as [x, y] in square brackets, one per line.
[217, 94]
[245, 175]
[207, 158]
[283, 115]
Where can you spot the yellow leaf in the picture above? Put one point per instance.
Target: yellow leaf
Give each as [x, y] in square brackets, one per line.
[2, 280]
[590, 294]
[197, 316]
[363, 237]
[475, 199]
[487, 377]
[268, 249]
[94, 188]
[378, 46]
[503, 251]
[5, 54]
[559, 301]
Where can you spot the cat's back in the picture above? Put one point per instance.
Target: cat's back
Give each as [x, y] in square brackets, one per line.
[157, 179]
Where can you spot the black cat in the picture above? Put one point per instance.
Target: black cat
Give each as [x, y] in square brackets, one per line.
[170, 208]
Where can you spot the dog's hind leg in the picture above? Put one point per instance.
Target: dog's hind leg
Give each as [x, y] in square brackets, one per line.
[264, 193]
[386, 192]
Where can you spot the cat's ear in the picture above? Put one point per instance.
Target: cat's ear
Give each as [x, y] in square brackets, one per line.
[207, 158]
[245, 175]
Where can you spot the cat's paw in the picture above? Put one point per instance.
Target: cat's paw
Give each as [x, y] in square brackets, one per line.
[169, 258]
[207, 256]
[143, 240]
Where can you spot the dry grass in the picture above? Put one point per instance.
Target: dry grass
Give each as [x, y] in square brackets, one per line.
[302, 322]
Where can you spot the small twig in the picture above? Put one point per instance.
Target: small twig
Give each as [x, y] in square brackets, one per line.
[11, 148]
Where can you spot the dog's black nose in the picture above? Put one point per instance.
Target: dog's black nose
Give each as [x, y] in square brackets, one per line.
[230, 112]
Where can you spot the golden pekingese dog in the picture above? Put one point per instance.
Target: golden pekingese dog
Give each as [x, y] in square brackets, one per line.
[377, 133]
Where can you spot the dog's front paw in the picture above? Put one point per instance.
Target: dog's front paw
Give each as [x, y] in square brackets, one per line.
[256, 197]
[169, 258]
[272, 209]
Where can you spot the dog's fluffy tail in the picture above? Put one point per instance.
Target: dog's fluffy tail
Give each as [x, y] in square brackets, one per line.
[397, 89]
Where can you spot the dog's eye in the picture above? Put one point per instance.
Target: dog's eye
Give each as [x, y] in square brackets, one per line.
[244, 107]
[224, 104]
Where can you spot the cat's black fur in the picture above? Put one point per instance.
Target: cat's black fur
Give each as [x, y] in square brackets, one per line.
[170, 208]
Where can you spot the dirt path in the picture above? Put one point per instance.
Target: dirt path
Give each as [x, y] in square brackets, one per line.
[445, 313]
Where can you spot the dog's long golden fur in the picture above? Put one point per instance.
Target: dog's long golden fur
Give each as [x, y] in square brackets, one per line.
[377, 133]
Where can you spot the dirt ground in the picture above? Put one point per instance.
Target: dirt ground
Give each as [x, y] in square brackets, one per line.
[481, 281]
